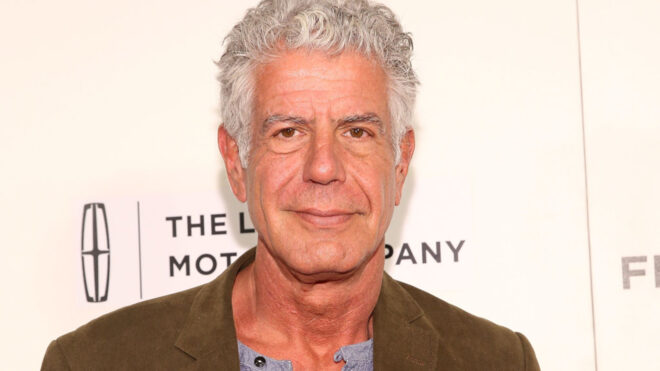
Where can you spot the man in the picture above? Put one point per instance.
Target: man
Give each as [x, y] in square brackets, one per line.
[317, 101]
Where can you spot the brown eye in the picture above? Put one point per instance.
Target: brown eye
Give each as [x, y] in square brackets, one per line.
[288, 132]
[357, 132]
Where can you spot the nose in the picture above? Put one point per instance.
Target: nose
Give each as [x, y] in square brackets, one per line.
[323, 164]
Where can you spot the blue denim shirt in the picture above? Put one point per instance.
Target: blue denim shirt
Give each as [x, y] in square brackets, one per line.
[358, 357]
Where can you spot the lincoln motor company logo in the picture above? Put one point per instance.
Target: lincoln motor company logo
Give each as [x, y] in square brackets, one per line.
[187, 261]
[95, 252]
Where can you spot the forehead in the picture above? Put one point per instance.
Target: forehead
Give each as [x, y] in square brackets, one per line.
[309, 83]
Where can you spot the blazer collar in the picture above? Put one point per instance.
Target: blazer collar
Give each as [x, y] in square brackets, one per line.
[403, 337]
[209, 335]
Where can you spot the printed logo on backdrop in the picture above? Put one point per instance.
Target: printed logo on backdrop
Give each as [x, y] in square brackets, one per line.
[156, 253]
[177, 246]
[182, 226]
[95, 252]
[424, 253]
[636, 266]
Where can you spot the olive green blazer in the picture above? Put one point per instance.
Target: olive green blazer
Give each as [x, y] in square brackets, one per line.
[194, 330]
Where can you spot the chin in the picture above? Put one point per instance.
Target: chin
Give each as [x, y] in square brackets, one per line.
[328, 259]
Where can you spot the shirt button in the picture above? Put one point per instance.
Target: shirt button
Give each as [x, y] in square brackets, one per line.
[260, 361]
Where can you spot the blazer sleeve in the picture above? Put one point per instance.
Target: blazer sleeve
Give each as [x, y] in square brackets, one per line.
[529, 357]
[54, 359]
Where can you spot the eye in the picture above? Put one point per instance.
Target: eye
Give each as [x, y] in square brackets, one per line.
[356, 132]
[287, 132]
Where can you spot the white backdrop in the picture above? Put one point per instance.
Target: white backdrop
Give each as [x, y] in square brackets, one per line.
[538, 160]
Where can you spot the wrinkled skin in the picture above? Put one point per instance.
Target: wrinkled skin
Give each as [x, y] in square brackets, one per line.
[321, 189]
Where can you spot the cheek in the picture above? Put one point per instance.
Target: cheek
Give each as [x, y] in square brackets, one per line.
[377, 181]
[271, 179]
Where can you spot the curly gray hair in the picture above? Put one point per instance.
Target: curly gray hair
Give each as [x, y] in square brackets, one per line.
[328, 25]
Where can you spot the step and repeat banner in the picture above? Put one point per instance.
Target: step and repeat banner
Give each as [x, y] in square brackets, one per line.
[532, 198]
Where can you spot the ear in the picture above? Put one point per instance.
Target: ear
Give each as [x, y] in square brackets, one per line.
[235, 172]
[407, 147]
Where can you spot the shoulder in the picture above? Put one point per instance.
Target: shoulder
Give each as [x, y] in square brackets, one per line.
[163, 333]
[472, 339]
[131, 336]
[451, 319]
[164, 315]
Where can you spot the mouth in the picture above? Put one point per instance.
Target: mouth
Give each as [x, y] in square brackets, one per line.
[325, 218]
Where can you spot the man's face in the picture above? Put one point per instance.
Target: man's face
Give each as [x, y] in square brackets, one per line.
[321, 182]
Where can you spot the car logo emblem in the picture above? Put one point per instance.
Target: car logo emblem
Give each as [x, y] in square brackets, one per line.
[95, 252]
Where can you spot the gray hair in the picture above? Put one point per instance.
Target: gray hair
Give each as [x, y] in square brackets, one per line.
[332, 26]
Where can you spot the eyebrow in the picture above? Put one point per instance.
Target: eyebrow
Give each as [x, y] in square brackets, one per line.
[284, 118]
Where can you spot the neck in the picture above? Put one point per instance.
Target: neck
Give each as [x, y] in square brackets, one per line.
[270, 302]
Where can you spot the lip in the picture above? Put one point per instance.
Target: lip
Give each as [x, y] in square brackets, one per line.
[325, 218]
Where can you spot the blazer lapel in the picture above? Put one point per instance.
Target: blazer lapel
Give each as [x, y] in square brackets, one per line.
[209, 335]
[403, 338]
